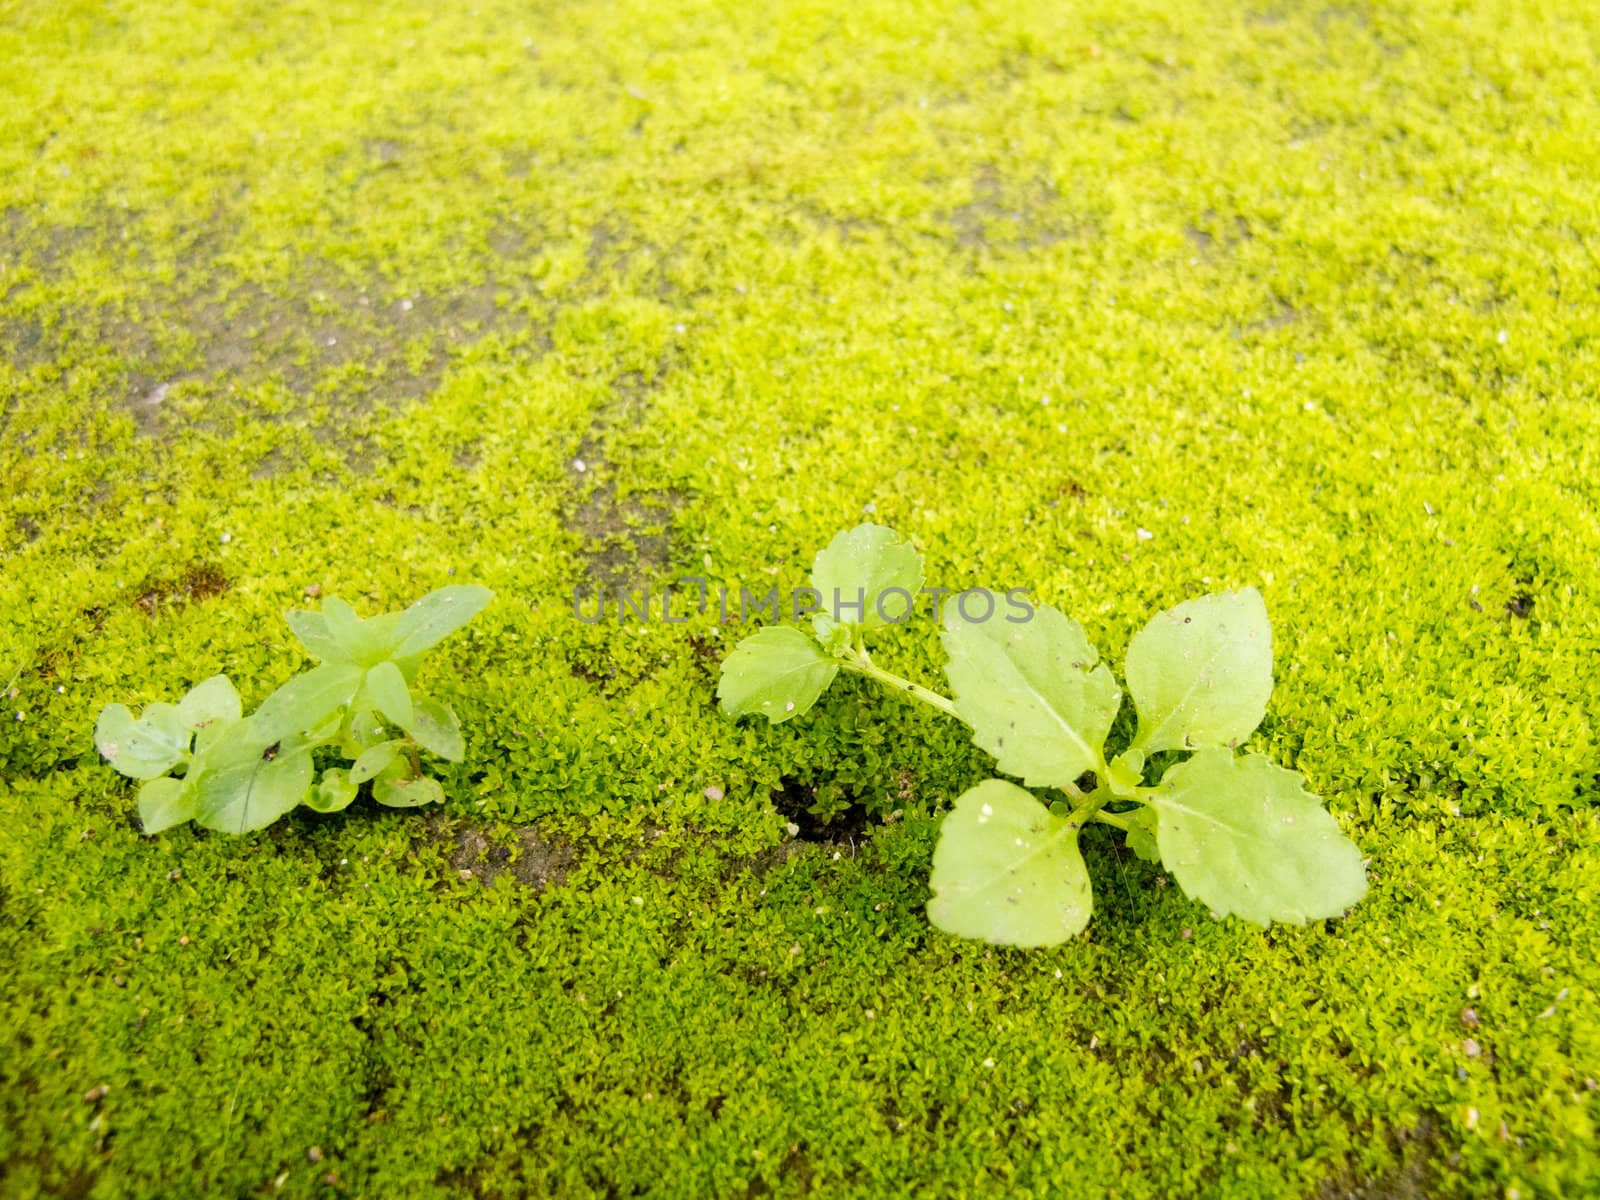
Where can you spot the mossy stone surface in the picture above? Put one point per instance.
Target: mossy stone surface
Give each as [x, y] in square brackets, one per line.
[1122, 303]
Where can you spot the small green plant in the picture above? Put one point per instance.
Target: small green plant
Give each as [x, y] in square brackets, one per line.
[203, 760]
[1239, 833]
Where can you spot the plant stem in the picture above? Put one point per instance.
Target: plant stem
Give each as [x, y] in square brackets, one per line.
[1120, 820]
[1088, 809]
[858, 662]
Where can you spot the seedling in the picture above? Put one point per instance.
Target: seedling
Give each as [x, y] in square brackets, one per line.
[1239, 833]
[203, 760]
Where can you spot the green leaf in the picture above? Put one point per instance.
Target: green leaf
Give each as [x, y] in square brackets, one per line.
[325, 731]
[407, 793]
[778, 672]
[383, 628]
[305, 701]
[361, 731]
[386, 688]
[244, 790]
[334, 791]
[862, 563]
[1142, 834]
[312, 630]
[1032, 693]
[436, 729]
[1008, 871]
[354, 636]
[833, 637]
[1127, 771]
[210, 737]
[1243, 836]
[435, 617]
[213, 700]
[1200, 674]
[372, 761]
[143, 748]
[164, 803]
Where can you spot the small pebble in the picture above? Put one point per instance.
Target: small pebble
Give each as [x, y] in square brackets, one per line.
[96, 1094]
[1469, 1018]
[314, 1154]
[714, 792]
[1471, 1048]
[313, 590]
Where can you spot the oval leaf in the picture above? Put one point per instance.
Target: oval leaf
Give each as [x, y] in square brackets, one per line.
[778, 672]
[1142, 834]
[246, 791]
[334, 791]
[407, 793]
[325, 731]
[860, 564]
[386, 688]
[1200, 674]
[435, 617]
[361, 731]
[213, 700]
[372, 761]
[164, 803]
[306, 701]
[1008, 871]
[1243, 836]
[1032, 693]
[143, 748]
[355, 638]
[312, 630]
[436, 730]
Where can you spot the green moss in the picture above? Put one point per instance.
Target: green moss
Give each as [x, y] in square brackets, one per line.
[335, 296]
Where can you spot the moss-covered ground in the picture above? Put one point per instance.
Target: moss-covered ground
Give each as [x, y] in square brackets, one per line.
[1122, 302]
